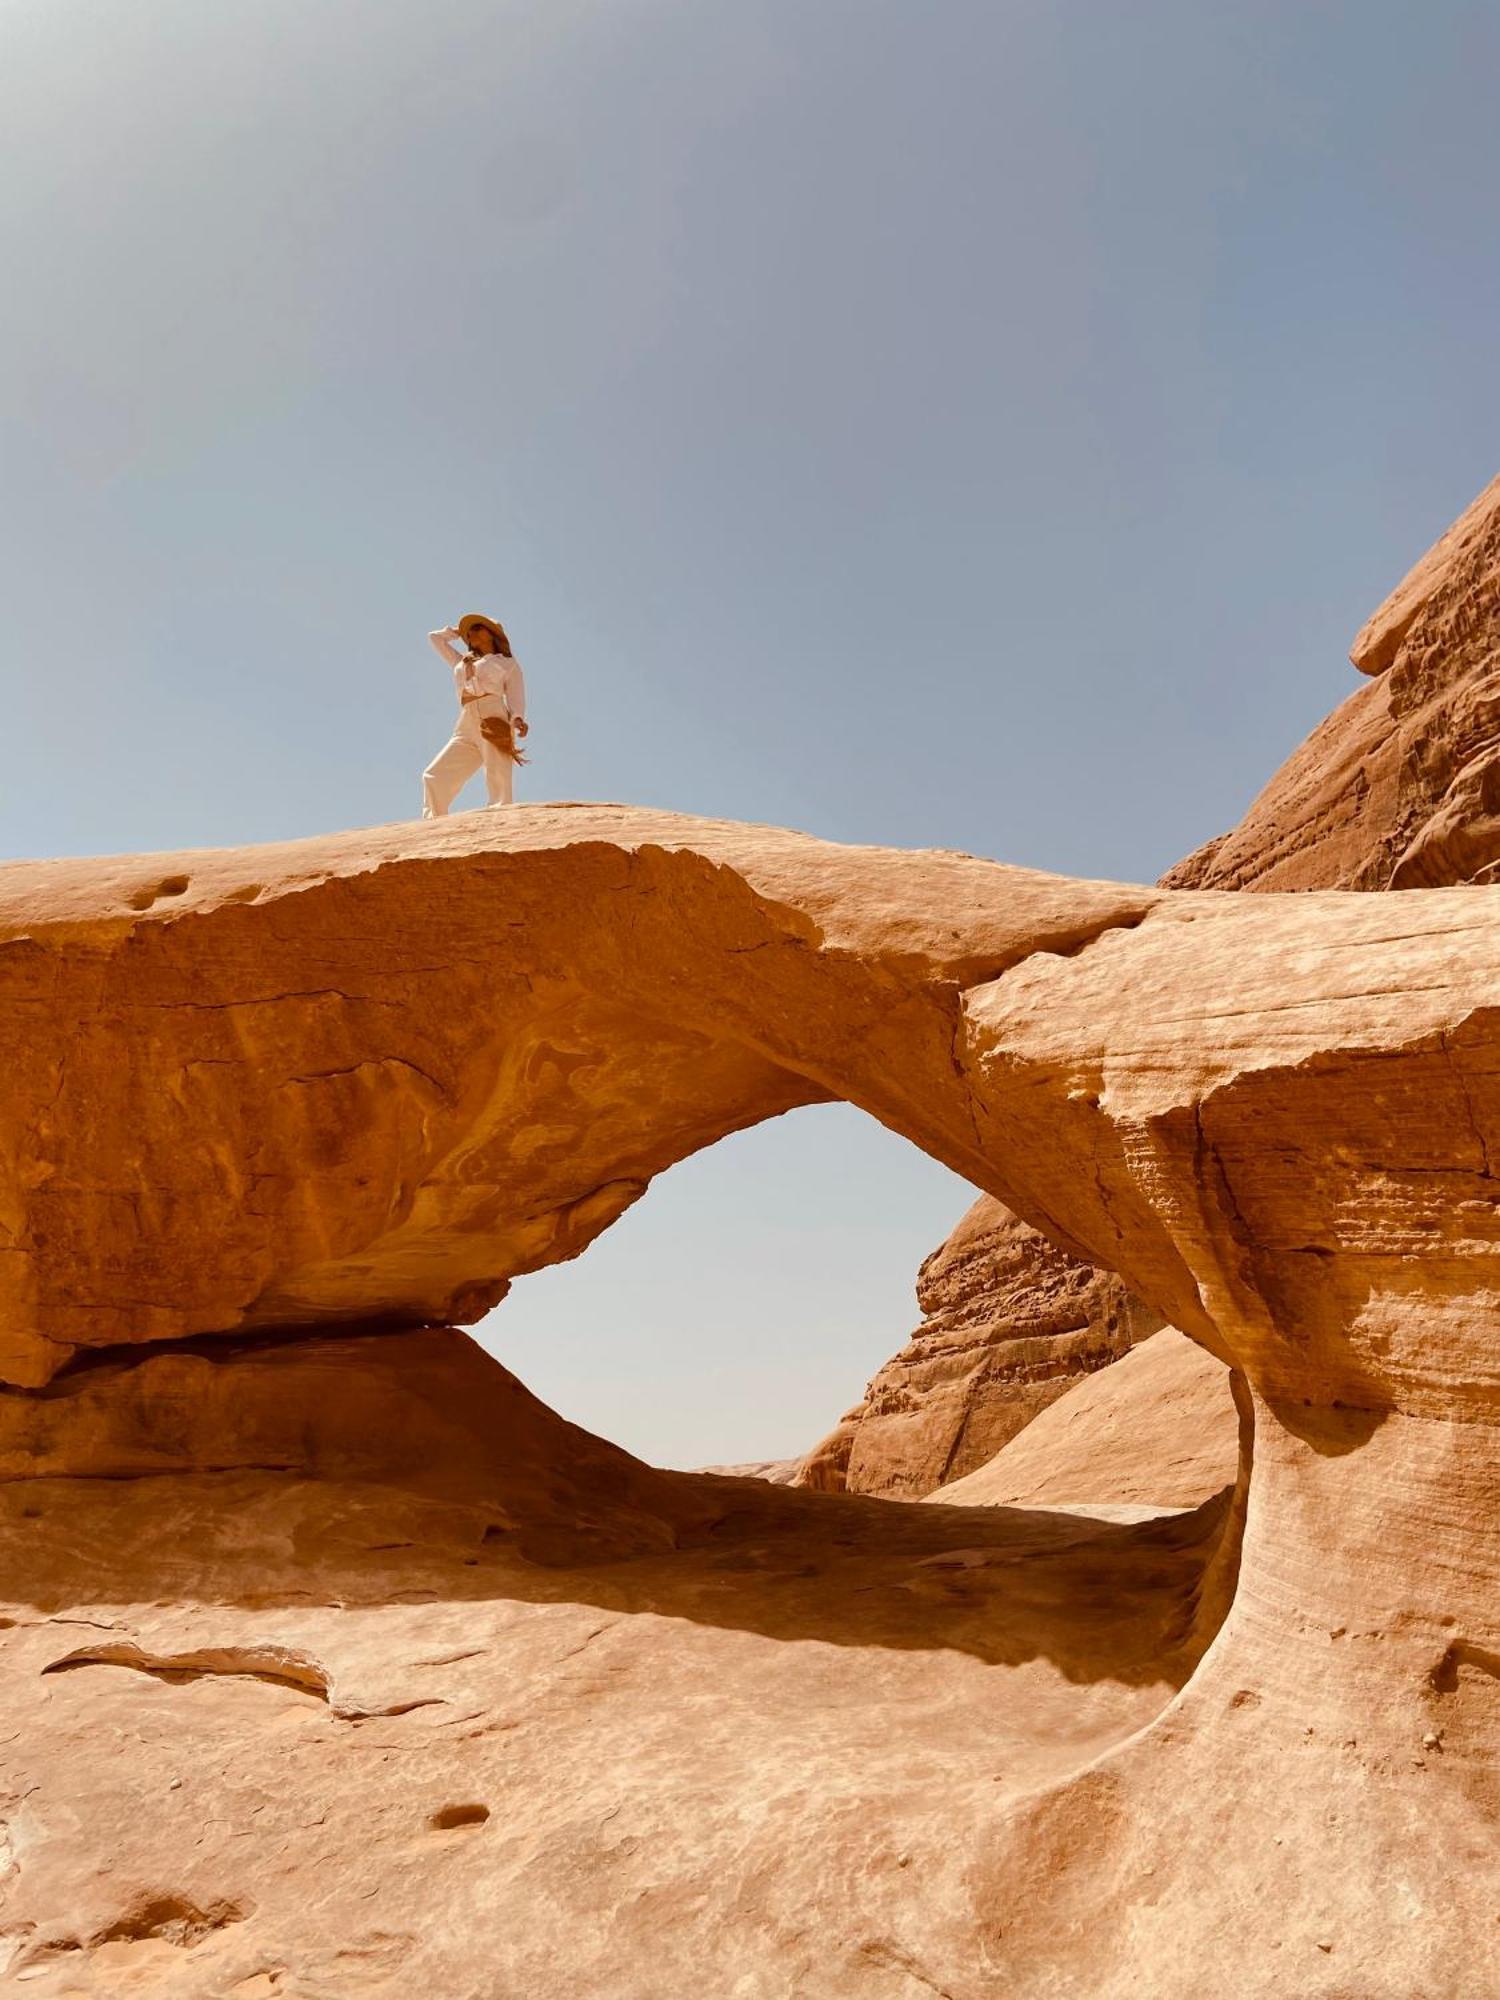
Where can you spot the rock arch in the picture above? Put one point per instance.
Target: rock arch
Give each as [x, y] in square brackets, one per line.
[372, 1079]
[419, 1065]
[416, 1063]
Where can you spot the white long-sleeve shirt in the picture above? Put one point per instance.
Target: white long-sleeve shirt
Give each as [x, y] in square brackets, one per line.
[488, 673]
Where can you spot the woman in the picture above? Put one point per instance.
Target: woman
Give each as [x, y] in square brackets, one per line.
[491, 714]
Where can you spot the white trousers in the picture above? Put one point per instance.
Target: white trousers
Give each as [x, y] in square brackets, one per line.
[462, 755]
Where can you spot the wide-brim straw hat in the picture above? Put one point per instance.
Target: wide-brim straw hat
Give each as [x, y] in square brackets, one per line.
[475, 621]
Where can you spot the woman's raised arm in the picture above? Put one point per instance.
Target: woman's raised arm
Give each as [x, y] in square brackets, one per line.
[447, 644]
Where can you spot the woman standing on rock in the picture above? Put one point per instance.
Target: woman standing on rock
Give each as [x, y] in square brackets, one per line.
[491, 714]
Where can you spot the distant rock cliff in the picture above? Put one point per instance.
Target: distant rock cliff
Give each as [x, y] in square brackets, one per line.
[1400, 787]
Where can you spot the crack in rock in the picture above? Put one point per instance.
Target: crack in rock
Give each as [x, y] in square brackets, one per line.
[274, 1666]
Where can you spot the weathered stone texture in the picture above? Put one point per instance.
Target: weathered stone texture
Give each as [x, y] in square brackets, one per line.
[333, 1662]
[1398, 788]
[309, 1692]
[1010, 1323]
[1151, 1432]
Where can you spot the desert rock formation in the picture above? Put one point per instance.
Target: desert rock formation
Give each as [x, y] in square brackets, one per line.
[536, 1721]
[775, 1471]
[509, 1710]
[1148, 1432]
[378, 1077]
[1010, 1322]
[1398, 788]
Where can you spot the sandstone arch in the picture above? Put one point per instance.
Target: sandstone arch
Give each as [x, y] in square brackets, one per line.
[430, 1059]
[373, 1080]
[422, 1061]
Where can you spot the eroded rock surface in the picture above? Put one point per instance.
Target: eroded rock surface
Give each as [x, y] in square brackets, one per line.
[379, 1076]
[1398, 788]
[305, 1090]
[1158, 1430]
[1010, 1323]
[510, 1713]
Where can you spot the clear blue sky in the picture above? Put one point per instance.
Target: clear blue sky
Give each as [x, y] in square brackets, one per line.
[980, 423]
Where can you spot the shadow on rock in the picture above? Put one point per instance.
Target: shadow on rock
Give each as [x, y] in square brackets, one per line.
[411, 1467]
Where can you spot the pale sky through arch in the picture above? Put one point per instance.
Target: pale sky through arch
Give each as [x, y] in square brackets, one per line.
[980, 425]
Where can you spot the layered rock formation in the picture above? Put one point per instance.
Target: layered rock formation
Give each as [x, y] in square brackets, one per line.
[378, 1077]
[449, 1724]
[1010, 1323]
[1398, 788]
[1149, 1432]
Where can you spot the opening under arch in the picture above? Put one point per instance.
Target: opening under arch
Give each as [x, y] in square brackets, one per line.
[745, 1300]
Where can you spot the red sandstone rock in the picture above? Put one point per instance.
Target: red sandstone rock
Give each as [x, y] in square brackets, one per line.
[379, 1076]
[299, 1722]
[1398, 788]
[1010, 1323]
[1150, 1431]
[509, 1713]
[1461, 552]
[425, 1409]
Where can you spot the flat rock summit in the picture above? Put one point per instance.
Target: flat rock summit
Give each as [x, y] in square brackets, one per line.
[336, 1664]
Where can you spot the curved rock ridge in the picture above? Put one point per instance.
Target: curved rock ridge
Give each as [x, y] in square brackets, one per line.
[361, 1079]
[425, 1410]
[1147, 1432]
[422, 1061]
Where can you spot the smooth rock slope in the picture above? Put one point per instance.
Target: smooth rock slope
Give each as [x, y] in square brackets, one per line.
[1148, 1432]
[511, 1714]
